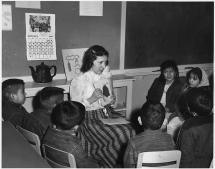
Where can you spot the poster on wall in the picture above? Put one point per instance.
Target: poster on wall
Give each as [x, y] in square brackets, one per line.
[6, 18]
[28, 4]
[91, 8]
[40, 36]
[72, 59]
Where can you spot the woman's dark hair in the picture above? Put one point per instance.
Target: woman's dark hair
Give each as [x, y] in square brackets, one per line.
[196, 71]
[199, 101]
[90, 55]
[168, 64]
[152, 115]
[68, 114]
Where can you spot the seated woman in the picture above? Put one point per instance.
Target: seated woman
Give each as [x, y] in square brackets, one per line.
[66, 118]
[93, 88]
[89, 87]
[167, 88]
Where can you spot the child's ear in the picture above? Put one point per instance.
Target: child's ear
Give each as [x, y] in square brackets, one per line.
[139, 120]
[12, 97]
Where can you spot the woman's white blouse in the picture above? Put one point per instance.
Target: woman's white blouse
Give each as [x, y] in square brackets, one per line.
[83, 86]
[163, 98]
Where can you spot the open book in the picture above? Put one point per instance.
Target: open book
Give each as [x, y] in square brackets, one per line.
[113, 121]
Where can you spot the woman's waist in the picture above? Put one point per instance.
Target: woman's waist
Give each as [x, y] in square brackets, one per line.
[94, 107]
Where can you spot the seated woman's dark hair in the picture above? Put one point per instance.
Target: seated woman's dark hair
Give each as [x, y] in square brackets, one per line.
[199, 101]
[90, 55]
[168, 64]
[152, 115]
[196, 71]
[68, 114]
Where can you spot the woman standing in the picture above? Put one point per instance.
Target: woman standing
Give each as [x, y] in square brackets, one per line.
[93, 88]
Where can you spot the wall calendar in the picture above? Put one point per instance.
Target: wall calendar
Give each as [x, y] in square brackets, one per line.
[40, 36]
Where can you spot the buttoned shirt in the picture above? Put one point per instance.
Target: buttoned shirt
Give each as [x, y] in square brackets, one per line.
[83, 86]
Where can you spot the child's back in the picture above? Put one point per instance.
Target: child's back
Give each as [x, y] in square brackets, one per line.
[66, 117]
[152, 139]
[44, 102]
[196, 135]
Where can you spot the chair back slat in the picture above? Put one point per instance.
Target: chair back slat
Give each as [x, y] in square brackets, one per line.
[167, 159]
[58, 158]
[31, 137]
[211, 165]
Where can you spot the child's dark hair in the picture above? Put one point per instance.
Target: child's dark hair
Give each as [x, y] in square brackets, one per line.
[200, 101]
[68, 114]
[45, 94]
[90, 55]
[168, 64]
[182, 108]
[10, 86]
[196, 71]
[152, 115]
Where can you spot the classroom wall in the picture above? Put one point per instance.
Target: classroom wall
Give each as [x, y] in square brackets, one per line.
[72, 31]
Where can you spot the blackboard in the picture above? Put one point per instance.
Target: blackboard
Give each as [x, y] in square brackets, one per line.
[157, 31]
[72, 31]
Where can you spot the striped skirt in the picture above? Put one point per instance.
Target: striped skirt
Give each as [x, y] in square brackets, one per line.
[105, 143]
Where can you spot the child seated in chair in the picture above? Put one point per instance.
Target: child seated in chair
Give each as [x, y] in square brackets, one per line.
[43, 103]
[13, 98]
[152, 138]
[196, 135]
[66, 118]
[195, 78]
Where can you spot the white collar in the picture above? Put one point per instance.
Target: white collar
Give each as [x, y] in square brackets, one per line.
[93, 76]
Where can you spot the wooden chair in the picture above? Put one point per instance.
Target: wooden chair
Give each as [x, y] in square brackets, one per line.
[31, 137]
[58, 158]
[167, 159]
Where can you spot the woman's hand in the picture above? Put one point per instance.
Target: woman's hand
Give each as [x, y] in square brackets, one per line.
[113, 99]
[110, 100]
[97, 94]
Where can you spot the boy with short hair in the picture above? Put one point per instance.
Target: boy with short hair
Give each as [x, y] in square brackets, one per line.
[43, 103]
[152, 139]
[196, 135]
[13, 98]
[66, 118]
